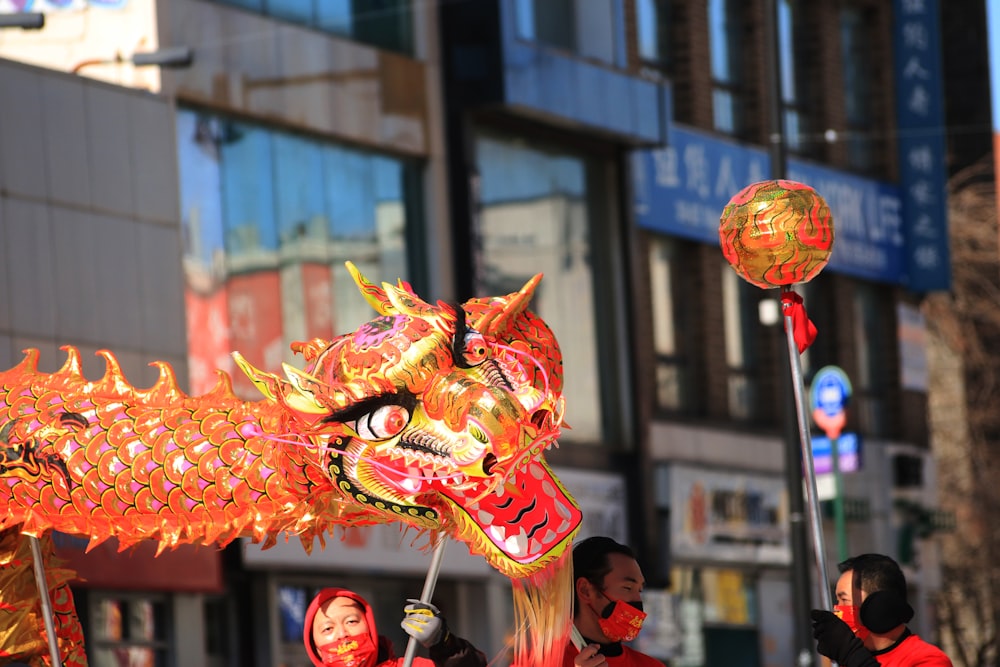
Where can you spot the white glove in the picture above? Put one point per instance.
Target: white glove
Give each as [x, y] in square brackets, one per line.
[424, 623]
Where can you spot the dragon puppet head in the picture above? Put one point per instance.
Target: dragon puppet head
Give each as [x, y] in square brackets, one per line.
[438, 416]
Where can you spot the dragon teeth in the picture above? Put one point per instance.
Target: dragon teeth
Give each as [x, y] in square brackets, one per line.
[498, 533]
[517, 545]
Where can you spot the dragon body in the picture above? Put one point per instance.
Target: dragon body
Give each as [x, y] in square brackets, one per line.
[431, 415]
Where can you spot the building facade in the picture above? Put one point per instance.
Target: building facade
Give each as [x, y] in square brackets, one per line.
[464, 147]
[818, 93]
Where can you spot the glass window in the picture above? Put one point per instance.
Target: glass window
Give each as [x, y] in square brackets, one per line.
[217, 633]
[524, 19]
[536, 218]
[248, 194]
[269, 219]
[548, 21]
[298, 177]
[292, 604]
[792, 95]
[199, 138]
[587, 28]
[855, 45]
[738, 315]
[257, 5]
[873, 313]
[296, 11]
[302, 248]
[653, 29]
[671, 345]
[128, 630]
[716, 610]
[253, 280]
[335, 17]
[366, 209]
[595, 29]
[724, 37]
[386, 24]
[728, 596]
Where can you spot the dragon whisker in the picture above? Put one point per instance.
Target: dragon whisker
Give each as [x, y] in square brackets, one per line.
[395, 471]
[353, 457]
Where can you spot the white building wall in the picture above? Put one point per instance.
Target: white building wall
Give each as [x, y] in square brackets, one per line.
[96, 38]
[89, 226]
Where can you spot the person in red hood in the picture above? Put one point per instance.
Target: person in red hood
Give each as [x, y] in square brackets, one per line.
[339, 631]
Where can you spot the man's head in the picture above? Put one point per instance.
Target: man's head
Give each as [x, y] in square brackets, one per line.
[877, 587]
[339, 630]
[607, 587]
[337, 618]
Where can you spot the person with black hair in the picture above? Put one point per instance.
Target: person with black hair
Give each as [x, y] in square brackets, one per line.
[867, 627]
[607, 606]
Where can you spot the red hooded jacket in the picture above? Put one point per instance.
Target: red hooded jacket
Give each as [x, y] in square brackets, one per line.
[451, 652]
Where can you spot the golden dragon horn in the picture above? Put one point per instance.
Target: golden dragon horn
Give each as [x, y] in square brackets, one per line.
[503, 311]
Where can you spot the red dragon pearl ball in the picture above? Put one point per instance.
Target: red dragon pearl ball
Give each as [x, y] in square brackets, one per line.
[776, 233]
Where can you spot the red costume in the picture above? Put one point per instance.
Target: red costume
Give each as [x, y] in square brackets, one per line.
[912, 651]
[627, 658]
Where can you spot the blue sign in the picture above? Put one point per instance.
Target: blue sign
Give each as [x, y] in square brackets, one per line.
[830, 391]
[921, 125]
[848, 453]
[867, 222]
[682, 189]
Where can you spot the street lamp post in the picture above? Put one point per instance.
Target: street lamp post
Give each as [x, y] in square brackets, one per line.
[23, 20]
[172, 57]
[798, 536]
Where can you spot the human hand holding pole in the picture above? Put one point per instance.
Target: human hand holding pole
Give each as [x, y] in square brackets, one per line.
[425, 596]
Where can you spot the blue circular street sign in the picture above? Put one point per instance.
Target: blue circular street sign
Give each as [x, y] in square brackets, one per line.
[830, 390]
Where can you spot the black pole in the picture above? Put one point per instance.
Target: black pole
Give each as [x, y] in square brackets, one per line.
[798, 531]
[777, 146]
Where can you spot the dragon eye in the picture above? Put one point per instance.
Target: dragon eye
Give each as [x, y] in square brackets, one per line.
[383, 422]
[474, 349]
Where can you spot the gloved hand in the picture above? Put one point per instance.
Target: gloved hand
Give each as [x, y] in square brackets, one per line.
[423, 622]
[837, 641]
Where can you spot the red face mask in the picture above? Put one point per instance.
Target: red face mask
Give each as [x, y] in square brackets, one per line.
[848, 613]
[621, 621]
[353, 651]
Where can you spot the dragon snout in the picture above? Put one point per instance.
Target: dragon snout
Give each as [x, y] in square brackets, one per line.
[489, 463]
